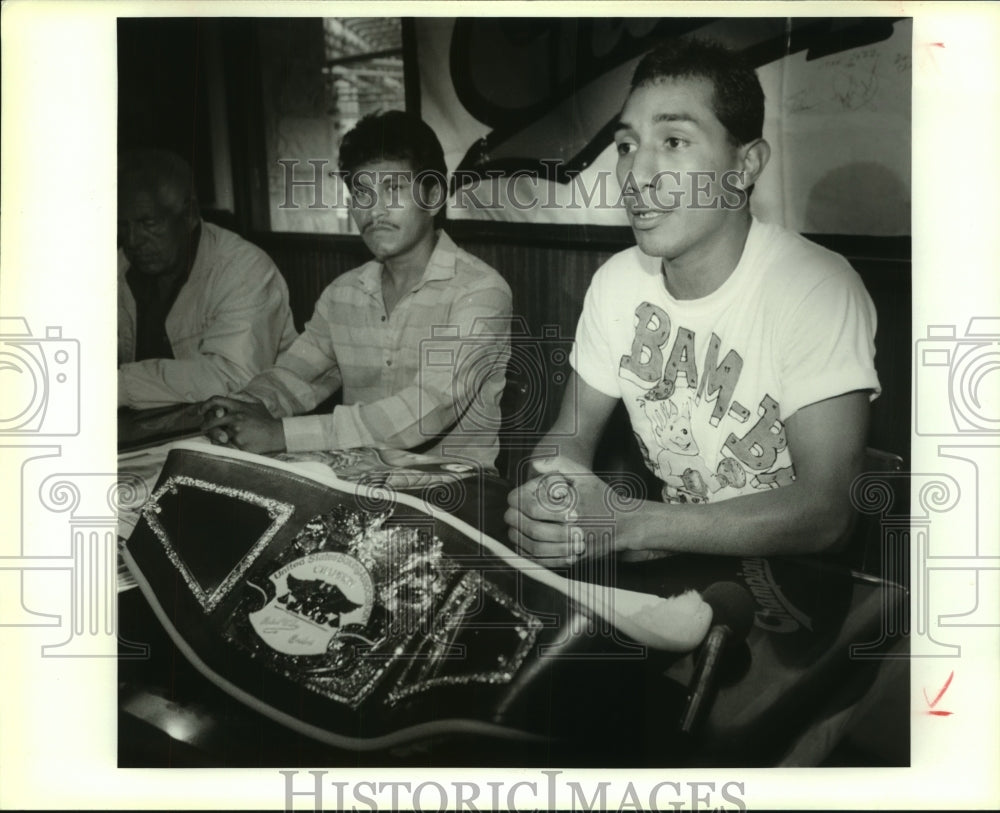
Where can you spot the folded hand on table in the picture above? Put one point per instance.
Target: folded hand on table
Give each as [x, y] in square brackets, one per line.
[241, 425]
[568, 513]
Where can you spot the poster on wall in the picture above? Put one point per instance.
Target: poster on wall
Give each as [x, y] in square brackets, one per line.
[525, 110]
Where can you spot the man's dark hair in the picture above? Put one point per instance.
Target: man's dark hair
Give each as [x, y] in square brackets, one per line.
[396, 136]
[161, 172]
[737, 98]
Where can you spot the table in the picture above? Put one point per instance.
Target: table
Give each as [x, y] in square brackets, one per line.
[794, 669]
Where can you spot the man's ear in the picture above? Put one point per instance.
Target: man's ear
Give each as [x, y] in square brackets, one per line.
[433, 196]
[755, 156]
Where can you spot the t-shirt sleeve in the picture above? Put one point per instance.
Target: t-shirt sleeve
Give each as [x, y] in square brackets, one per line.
[592, 355]
[829, 344]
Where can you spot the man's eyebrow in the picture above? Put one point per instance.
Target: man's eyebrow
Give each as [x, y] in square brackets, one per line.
[619, 124]
[659, 118]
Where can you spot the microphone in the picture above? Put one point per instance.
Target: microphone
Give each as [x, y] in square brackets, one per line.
[732, 616]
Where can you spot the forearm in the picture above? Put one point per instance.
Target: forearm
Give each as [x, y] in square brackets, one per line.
[303, 376]
[811, 514]
[402, 421]
[577, 448]
[285, 393]
[407, 419]
[161, 382]
[792, 519]
[389, 422]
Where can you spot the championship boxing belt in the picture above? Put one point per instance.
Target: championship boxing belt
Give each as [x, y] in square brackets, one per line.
[366, 618]
[369, 619]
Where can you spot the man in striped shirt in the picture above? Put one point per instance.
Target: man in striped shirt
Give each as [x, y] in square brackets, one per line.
[417, 339]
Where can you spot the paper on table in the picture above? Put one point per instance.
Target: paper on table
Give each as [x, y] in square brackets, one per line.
[390, 468]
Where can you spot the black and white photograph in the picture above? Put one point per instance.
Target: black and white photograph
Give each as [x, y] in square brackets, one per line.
[513, 412]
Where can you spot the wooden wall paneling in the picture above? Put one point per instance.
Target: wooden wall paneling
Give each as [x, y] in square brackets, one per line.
[549, 283]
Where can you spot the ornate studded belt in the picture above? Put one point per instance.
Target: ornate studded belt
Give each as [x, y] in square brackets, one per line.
[365, 618]
[369, 619]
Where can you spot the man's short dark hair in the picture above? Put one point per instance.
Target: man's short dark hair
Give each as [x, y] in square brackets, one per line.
[738, 99]
[395, 136]
[162, 172]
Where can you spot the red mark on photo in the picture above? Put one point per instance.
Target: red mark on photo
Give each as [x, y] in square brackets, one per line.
[940, 694]
[926, 55]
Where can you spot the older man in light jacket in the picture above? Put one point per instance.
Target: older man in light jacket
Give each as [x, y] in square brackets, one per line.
[200, 310]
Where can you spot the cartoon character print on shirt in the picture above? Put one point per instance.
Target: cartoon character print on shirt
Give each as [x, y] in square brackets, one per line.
[747, 461]
[678, 462]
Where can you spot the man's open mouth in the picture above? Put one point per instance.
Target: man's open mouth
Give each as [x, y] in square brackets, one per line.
[648, 216]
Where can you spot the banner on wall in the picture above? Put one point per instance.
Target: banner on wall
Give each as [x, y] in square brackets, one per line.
[525, 107]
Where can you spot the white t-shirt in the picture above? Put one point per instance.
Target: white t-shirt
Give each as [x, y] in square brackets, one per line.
[709, 382]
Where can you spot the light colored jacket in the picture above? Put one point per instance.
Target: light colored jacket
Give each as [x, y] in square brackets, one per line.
[229, 322]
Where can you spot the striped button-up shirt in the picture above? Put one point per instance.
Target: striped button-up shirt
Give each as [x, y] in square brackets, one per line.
[426, 377]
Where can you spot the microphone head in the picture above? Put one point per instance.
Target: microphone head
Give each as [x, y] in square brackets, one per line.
[732, 605]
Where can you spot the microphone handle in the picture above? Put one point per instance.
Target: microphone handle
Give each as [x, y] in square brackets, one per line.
[704, 676]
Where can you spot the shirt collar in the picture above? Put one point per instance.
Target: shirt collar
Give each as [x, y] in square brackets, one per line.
[440, 266]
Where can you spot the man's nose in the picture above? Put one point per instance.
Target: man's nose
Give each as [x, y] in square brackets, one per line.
[367, 207]
[380, 205]
[644, 167]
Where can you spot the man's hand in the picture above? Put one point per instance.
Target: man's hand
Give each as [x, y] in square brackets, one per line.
[544, 511]
[241, 425]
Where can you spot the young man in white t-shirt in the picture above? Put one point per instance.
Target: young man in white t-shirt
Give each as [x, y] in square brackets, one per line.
[743, 352]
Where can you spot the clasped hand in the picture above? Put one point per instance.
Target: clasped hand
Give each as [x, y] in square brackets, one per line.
[241, 425]
[567, 514]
